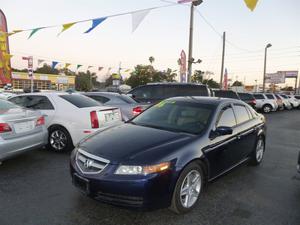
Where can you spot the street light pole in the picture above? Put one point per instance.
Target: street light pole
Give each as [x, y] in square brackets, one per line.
[223, 58]
[190, 56]
[265, 65]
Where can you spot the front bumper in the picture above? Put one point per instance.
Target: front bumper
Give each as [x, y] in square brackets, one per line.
[15, 146]
[149, 192]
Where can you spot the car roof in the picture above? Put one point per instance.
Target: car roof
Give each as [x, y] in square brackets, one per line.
[103, 93]
[206, 100]
[47, 93]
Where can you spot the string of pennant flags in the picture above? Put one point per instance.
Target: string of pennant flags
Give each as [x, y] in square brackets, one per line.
[137, 17]
[66, 65]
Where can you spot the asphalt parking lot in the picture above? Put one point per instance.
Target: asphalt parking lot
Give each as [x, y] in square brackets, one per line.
[36, 188]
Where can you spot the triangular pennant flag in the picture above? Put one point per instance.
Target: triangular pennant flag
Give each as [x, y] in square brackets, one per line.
[66, 26]
[137, 18]
[17, 31]
[7, 56]
[40, 61]
[33, 31]
[89, 67]
[78, 66]
[126, 71]
[100, 68]
[67, 65]
[251, 4]
[54, 63]
[96, 22]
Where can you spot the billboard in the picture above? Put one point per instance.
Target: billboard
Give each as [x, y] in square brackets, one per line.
[275, 78]
[182, 61]
[5, 69]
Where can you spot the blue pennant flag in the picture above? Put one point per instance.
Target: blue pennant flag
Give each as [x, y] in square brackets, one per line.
[54, 63]
[96, 22]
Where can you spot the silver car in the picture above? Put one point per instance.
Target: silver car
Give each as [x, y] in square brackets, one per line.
[20, 130]
[128, 106]
[265, 104]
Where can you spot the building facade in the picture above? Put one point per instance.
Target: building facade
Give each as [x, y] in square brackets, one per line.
[21, 81]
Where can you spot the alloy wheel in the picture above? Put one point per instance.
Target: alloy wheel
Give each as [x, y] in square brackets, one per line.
[267, 109]
[58, 140]
[260, 148]
[190, 189]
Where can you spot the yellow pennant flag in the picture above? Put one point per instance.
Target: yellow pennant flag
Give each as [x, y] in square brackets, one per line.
[67, 65]
[66, 26]
[7, 56]
[251, 4]
[1, 64]
[3, 46]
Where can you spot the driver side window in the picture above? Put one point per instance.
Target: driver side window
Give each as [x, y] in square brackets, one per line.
[226, 118]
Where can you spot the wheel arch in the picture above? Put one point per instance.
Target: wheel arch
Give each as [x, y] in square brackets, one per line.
[61, 126]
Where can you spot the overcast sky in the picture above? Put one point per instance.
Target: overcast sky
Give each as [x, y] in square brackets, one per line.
[163, 34]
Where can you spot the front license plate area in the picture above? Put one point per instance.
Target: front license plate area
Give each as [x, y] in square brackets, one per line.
[81, 183]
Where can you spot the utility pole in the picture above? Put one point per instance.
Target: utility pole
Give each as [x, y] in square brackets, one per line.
[190, 56]
[265, 65]
[223, 59]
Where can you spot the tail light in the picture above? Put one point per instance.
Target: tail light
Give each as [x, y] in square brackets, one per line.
[137, 110]
[40, 121]
[94, 120]
[253, 101]
[4, 127]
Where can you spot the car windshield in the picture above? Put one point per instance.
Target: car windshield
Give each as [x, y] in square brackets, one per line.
[284, 96]
[177, 116]
[5, 105]
[226, 94]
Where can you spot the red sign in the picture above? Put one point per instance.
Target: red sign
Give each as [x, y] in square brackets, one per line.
[182, 66]
[5, 70]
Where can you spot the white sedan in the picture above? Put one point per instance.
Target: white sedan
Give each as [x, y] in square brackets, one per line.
[69, 117]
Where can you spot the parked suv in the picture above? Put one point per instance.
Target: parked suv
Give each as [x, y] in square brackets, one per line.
[227, 94]
[264, 104]
[294, 102]
[279, 102]
[248, 98]
[155, 92]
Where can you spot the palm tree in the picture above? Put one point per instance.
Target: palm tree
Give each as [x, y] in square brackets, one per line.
[151, 59]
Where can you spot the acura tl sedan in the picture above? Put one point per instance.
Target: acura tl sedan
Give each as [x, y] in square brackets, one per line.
[164, 156]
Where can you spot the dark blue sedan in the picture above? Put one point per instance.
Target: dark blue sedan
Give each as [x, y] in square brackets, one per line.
[164, 156]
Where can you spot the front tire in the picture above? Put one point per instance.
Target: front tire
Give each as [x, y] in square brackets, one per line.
[188, 189]
[267, 108]
[59, 139]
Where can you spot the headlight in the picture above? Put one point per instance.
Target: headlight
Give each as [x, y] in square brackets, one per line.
[142, 170]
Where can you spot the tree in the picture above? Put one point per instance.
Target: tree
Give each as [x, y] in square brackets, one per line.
[151, 59]
[85, 81]
[211, 83]
[197, 76]
[46, 69]
[237, 83]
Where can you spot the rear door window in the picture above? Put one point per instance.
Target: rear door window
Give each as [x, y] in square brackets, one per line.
[270, 96]
[38, 103]
[258, 96]
[80, 101]
[241, 113]
[20, 100]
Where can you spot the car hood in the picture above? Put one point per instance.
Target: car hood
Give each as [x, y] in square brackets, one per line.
[128, 143]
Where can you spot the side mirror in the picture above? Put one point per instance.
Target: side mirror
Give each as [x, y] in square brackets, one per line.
[220, 131]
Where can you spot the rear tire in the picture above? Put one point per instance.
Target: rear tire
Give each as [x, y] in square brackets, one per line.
[59, 139]
[258, 152]
[188, 189]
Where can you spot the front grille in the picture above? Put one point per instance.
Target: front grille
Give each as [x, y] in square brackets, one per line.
[90, 164]
[121, 200]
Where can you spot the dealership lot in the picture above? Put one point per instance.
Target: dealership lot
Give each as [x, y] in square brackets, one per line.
[36, 188]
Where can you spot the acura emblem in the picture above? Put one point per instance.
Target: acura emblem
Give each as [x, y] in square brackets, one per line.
[88, 163]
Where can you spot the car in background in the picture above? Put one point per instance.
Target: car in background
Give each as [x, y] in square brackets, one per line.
[21, 130]
[294, 102]
[6, 95]
[128, 106]
[70, 117]
[279, 102]
[226, 94]
[164, 156]
[286, 103]
[248, 98]
[155, 92]
[264, 104]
